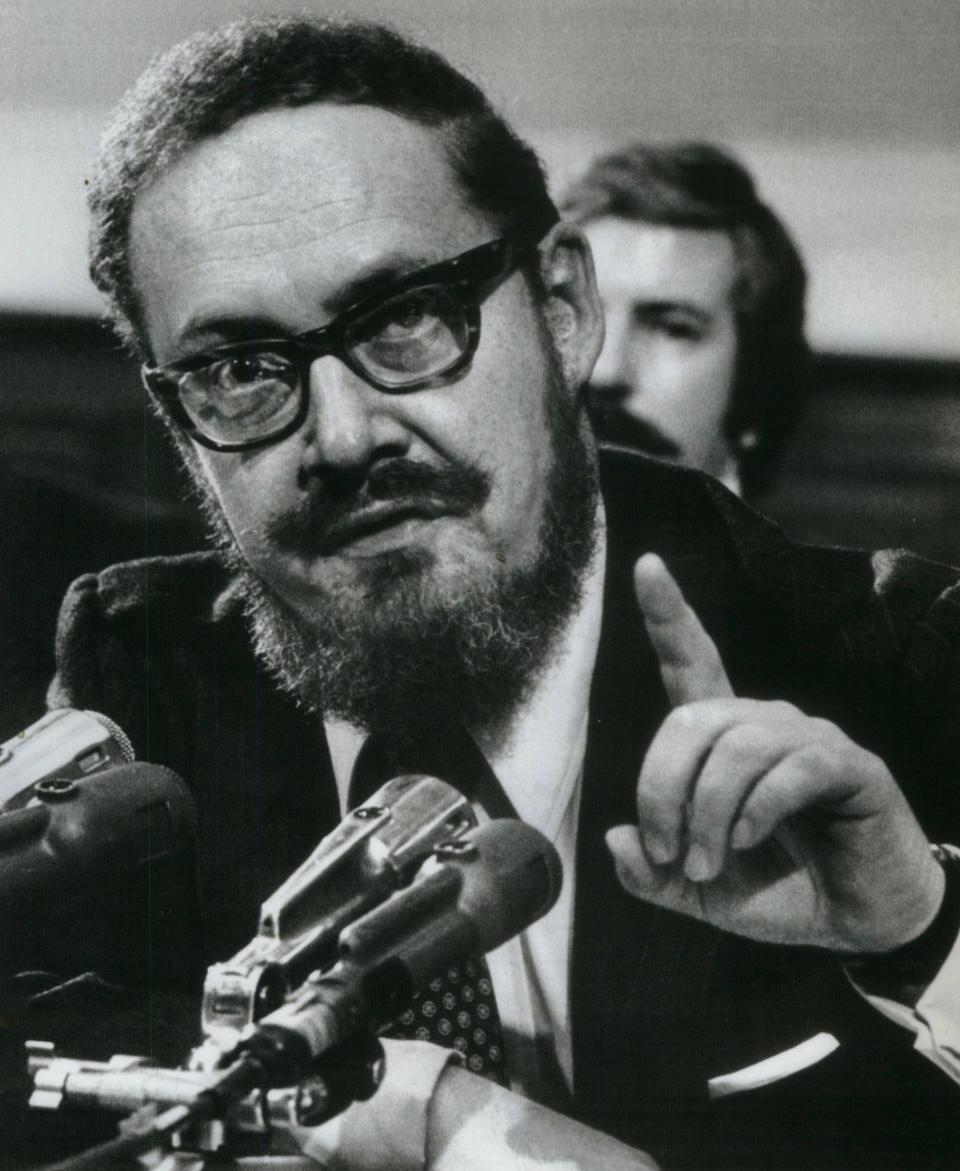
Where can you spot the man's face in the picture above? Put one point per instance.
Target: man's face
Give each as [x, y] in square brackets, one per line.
[385, 517]
[273, 226]
[663, 381]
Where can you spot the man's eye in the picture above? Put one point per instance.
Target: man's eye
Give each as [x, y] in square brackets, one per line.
[243, 389]
[246, 370]
[681, 330]
[405, 317]
[676, 328]
[416, 333]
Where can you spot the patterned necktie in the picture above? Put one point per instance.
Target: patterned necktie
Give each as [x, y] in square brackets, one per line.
[457, 1009]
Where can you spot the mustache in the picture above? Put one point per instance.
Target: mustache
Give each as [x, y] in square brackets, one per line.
[454, 490]
[617, 429]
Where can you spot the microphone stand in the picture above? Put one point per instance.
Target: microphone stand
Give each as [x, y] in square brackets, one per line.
[298, 1065]
[238, 1093]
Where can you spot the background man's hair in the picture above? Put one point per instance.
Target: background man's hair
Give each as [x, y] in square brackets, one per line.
[697, 185]
[204, 85]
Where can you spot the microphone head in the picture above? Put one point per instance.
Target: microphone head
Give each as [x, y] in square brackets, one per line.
[117, 734]
[99, 874]
[475, 893]
[515, 879]
[62, 743]
[124, 816]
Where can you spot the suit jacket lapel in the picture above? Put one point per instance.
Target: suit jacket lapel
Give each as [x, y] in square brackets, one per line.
[639, 974]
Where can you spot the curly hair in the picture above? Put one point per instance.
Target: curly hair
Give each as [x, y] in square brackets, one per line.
[204, 85]
[699, 186]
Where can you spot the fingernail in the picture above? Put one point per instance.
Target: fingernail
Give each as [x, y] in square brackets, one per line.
[697, 866]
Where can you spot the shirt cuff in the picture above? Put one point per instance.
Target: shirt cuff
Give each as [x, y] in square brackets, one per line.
[390, 1129]
[936, 1018]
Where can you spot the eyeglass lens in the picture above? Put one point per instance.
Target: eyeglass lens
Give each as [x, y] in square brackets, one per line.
[415, 335]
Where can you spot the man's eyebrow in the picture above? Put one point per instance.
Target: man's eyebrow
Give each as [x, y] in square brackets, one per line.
[208, 332]
[377, 276]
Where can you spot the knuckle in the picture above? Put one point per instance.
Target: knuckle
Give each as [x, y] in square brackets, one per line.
[693, 715]
[743, 742]
[826, 729]
[875, 764]
[781, 709]
[817, 759]
[684, 718]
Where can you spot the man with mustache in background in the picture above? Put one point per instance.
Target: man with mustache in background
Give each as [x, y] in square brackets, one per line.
[369, 335]
[705, 360]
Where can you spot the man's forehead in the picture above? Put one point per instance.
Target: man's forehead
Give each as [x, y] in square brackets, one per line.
[643, 259]
[314, 158]
[305, 195]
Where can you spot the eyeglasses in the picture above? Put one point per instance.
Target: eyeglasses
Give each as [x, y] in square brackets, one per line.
[421, 331]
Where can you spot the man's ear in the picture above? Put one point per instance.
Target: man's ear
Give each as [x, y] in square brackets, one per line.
[573, 313]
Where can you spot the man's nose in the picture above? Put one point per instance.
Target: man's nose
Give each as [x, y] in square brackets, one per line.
[350, 422]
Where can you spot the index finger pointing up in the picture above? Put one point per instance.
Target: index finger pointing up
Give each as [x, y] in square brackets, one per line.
[690, 665]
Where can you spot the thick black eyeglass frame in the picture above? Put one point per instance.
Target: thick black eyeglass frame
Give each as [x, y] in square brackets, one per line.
[469, 277]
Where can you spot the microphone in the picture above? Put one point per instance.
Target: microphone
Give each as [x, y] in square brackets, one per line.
[376, 850]
[477, 891]
[69, 860]
[63, 743]
[474, 892]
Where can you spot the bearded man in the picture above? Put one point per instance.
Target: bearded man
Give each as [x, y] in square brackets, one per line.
[368, 335]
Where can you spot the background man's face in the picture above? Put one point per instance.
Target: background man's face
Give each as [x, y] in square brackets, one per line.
[666, 372]
[272, 226]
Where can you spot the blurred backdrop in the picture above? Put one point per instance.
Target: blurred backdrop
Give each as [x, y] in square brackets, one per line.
[846, 111]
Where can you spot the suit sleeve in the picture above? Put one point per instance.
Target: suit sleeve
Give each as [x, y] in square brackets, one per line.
[104, 659]
[77, 647]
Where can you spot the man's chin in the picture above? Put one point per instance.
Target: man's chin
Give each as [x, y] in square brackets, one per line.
[413, 638]
[369, 575]
[406, 647]
[360, 585]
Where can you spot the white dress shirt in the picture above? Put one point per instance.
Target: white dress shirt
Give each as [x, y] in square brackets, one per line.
[539, 765]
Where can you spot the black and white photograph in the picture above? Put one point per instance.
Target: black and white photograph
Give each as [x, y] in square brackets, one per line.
[480, 585]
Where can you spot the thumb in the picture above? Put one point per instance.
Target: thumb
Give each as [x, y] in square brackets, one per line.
[690, 665]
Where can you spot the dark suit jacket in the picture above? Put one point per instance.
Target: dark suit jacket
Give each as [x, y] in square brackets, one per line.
[659, 1002]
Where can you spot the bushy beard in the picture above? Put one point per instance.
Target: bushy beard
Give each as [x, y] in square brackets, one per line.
[405, 651]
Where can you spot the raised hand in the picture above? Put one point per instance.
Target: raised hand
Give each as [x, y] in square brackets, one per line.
[761, 820]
